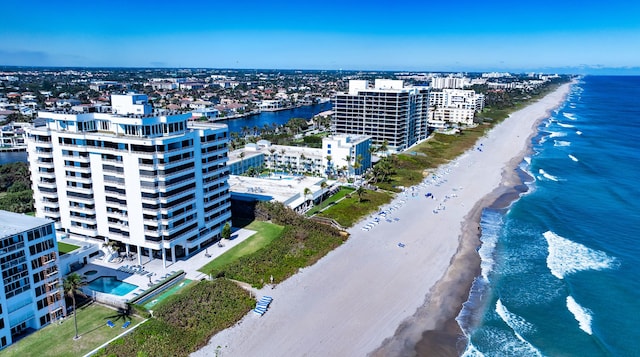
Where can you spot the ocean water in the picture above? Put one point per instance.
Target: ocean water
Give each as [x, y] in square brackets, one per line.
[561, 266]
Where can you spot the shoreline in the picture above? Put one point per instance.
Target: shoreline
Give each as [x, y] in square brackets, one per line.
[450, 293]
[375, 296]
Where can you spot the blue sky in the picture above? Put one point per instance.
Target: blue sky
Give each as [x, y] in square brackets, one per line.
[567, 36]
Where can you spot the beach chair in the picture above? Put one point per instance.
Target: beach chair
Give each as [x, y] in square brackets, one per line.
[110, 324]
[126, 324]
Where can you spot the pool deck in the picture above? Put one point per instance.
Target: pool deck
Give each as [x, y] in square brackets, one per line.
[154, 266]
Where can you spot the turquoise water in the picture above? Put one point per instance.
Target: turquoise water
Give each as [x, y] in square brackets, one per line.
[560, 267]
[111, 285]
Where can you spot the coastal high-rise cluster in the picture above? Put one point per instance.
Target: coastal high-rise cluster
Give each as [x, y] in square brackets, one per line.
[389, 112]
[152, 181]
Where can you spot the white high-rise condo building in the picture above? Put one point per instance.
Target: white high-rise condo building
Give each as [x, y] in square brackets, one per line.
[153, 182]
[388, 112]
[30, 294]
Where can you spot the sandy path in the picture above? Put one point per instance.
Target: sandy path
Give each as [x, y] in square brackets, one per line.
[358, 295]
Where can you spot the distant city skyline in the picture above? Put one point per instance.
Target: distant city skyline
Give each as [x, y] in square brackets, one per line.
[545, 36]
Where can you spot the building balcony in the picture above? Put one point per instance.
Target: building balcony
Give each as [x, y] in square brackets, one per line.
[79, 219]
[47, 165]
[85, 170]
[47, 185]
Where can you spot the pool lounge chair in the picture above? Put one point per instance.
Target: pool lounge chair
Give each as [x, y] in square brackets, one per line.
[110, 324]
[126, 324]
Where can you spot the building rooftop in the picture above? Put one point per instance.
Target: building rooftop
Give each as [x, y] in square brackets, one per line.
[13, 223]
[282, 188]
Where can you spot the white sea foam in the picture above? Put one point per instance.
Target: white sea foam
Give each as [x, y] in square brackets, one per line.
[519, 325]
[581, 314]
[472, 351]
[527, 159]
[561, 143]
[557, 134]
[578, 132]
[573, 158]
[547, 175]
[569, 116]
[491, 223]
[567, 257]
[566, 125]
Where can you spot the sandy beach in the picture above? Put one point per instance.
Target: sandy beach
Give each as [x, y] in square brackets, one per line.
[374, 296]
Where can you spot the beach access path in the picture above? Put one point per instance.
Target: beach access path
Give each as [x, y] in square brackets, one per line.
[358, 295]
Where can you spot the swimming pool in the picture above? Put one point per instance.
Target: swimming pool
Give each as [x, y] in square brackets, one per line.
[111, 285]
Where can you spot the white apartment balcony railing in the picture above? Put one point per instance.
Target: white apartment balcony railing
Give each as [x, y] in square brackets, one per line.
[167, 177]
[82, 210]
[116, 194]
[81, 199]
[79, 169]
[47, 184]
[162, 185]
[82, 219]
[215, 152]
[44, 144]
[119, 181]
[48, 165]
[117, 214]
[91, 232]
[164, 166]
[45, 174]
[152, 232]
[48, 194]
[55, 215]
[174, 197]
[78, 179]
[116, 205]
[173, 151]
[111, 161]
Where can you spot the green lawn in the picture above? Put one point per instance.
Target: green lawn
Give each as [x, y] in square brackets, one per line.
[265, 234]
[57, 339]
[350, 210]
[65, 248]
[329, 201]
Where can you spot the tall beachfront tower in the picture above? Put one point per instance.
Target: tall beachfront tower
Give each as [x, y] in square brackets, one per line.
[388, 111]
[153, 182]
[30, 295]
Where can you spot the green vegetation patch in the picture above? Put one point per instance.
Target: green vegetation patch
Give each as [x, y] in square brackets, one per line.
[302, 243]
[64, 248]
[185, 322]
[330, 201]
[15, 188]
[57, 339]
[265, 234]
[348, 211]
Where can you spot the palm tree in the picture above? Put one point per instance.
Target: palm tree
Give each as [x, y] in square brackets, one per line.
[323, 186]
[348, 160]
[329, 163]
[360, 192]
[72, 285]
[273, 158]
[357, 164]
[112, 247]
[302, 165]
[282, 152]
[241, 161]
[383, 147]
